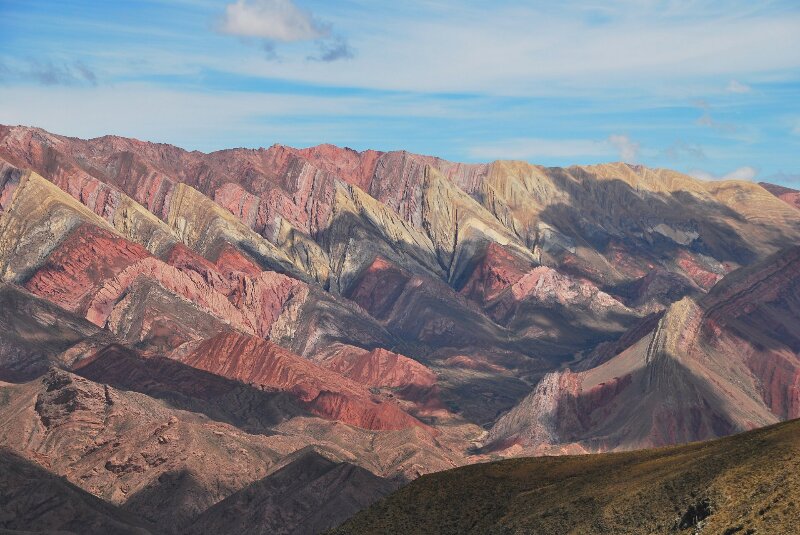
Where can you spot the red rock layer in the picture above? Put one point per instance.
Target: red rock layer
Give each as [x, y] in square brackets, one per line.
[259, 296]
[354, 167]
[381, 368]
[186, 260]
[407, 379]
[231, 260]
[74, 271]
[325, 393]
[695, 271]
[379, 287]
[498, 269]
[93, 269]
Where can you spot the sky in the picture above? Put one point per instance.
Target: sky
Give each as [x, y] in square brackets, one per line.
[705, 87]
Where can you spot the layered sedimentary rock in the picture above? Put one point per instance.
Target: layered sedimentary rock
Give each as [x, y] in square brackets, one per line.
[36, 216]
[398, 313]
[727, 362]
[323, 392]
[589, 220]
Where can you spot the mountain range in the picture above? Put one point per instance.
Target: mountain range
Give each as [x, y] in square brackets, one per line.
[270, 340]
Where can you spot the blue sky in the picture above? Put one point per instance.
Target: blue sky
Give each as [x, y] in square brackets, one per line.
[710, 88]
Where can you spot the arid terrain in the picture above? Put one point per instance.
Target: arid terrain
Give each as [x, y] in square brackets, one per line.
[747, 483]
[271, 340]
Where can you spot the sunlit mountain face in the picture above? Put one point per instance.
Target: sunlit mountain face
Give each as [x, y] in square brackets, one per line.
[197, 337]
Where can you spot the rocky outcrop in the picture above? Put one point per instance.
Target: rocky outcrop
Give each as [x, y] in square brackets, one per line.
[126, 448]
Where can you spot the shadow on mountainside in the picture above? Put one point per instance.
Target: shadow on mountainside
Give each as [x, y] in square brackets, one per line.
[186, 388]
[33, 499]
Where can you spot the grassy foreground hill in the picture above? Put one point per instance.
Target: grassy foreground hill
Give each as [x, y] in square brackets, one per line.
[743, 484]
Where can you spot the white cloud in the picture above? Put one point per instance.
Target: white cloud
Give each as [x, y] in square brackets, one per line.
[742, 173]
[549, 49]
[275, 20]
[459, 50]
[628, 149]
[734, 86]
[531, 149]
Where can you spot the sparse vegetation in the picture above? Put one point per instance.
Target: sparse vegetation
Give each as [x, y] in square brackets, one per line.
[748, 483]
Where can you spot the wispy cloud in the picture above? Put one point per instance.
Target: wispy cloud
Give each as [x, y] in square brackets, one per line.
[421, 75]
[707, 120]
[333, 50]
[215, 120]
[273, 20]
[49, 72]
[735, 86]
[532, 148]
[681, 150]
[742, 173]
[628, 149]
[428, 47]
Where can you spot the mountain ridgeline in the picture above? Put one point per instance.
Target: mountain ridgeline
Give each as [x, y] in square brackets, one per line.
[270, 340]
